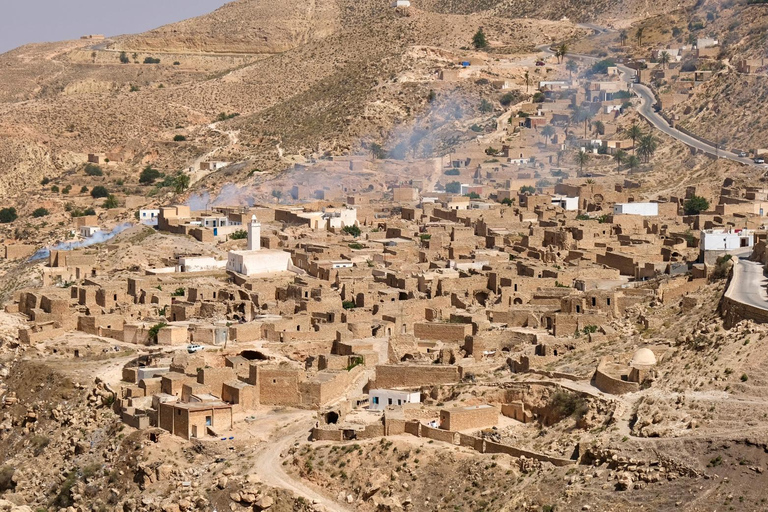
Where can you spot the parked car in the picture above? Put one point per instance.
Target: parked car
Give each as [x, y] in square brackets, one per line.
[742, 154]
[194, 348]
[759, 160]
[539, 62]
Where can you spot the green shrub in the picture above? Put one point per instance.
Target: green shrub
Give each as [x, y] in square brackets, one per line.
[151, 60]
[527, 189]
[8, 215]
[93, 170]
[566, 404]
[179, 138]
[452, 172]
[240, 234]
[40, 212]
[453, 187]
[179, 292]
[149, 175]
[356, 246]
[6, 478]
[154, 330]
[99, 191]
[352, 230]
[111, 202]
[348, 304]
[124, 58]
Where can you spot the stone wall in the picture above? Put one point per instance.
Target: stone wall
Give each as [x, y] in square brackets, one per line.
[405, 376]
[608, 384]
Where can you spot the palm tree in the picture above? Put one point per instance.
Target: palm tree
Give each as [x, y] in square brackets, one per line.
[634, 132]
[619, 157]
[587, 116]
[623, 37]
[632, 162]
[647, 147]
[527, 80]
[547, 132]
[599, 127]
[582, 157]
[664, 59]
[571, 66]
[181, 183]
[639, 35]
[561, 52]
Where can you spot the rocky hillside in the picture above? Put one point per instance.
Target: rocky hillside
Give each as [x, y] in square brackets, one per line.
[244, 26]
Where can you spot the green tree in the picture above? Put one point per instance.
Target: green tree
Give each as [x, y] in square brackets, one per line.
[99, 191]
[582, 158]
[110, 202]
[485, 106]
[599, 127]
[149, 175]
[561, 51]
[40, 212]
[179, 138]
[695, 205]
[639, 35]
[181, 183]
[647, 147]
[453, 187]
[124, 58]
[507, 99]
[547, 131]
[8, 215]
[633, 163]
[634, 132]
[378, 151]
[478, 40]
[619, 157]
[623, 36]
[664, 59]
[240, 234]
[572, 66]
[527, 189]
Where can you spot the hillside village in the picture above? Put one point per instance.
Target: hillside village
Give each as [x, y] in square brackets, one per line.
[528, 283]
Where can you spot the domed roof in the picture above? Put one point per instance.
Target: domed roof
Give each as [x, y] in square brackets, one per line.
[643, 357]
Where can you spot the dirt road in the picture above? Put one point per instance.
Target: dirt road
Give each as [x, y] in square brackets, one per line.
[269, 465]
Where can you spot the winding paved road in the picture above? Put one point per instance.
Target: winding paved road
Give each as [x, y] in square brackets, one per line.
[748, 284]
[647, 100]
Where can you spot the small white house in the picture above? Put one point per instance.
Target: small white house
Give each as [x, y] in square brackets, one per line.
[89, 231]
[566, 203]
[148, 216]
[721, 240]
[644, 209]
[380, 399]
[401, 4]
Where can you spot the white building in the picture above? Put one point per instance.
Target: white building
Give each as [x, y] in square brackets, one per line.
[149, 216]
[199, 264]
[380, 399]
[644, 209]
[254, 260]
[338, 218]
[89, 231]
[722, 240]
[566, 203]
[706, 42]
[401, 3]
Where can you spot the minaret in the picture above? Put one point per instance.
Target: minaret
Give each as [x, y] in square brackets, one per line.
[254, 234]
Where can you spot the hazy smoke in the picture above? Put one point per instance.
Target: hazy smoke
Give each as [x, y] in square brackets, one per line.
[230, 195]
[96, 238]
